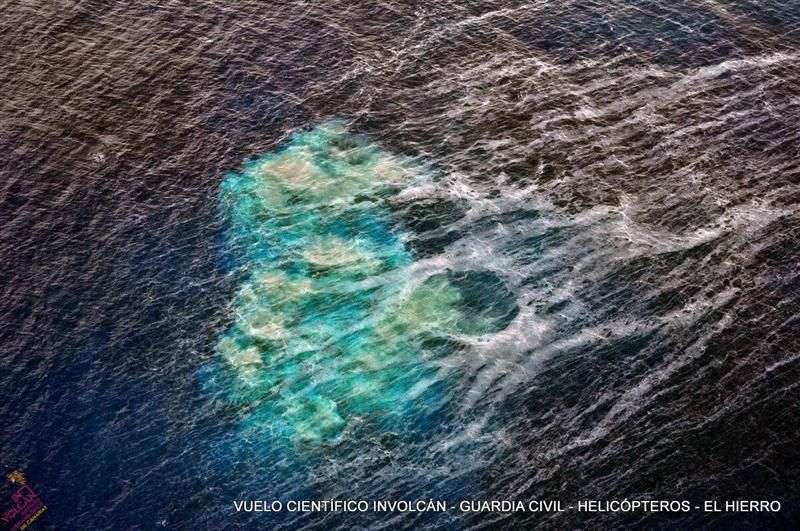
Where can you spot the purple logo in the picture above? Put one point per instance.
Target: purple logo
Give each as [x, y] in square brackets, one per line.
[25, 506]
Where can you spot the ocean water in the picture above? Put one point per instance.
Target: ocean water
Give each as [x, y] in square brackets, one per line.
[400, 251]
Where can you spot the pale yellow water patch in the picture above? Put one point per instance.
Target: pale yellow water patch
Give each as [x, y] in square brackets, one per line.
[281, 288]
[246, 297]
[365, 387]
[270, 331]
[238, 357]
[295, 169]
[321, 416]
[272, 280]
[333, 252]
[430, 306]
[389, 171]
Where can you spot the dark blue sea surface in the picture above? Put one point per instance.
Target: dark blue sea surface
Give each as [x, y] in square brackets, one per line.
[600, 198]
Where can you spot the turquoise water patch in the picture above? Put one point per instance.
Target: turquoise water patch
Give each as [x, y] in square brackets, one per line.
[330, 325]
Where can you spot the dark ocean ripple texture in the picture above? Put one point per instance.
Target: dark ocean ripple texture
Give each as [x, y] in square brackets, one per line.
[613, 185]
